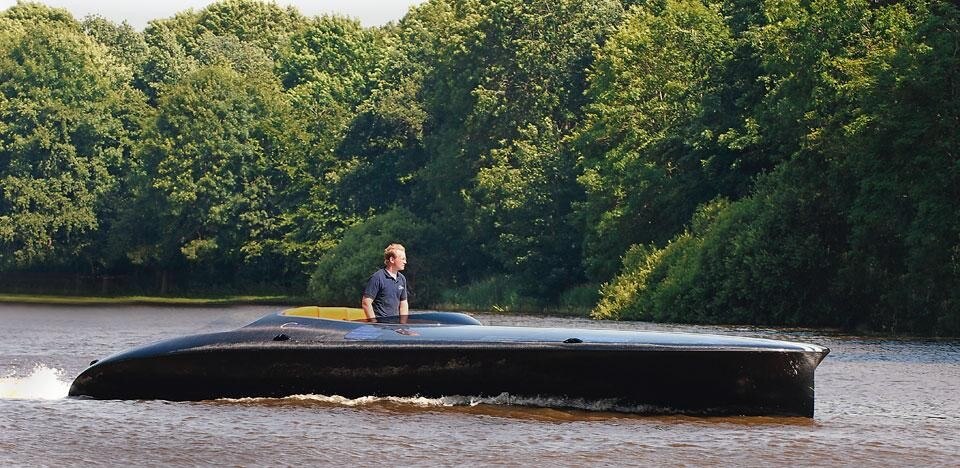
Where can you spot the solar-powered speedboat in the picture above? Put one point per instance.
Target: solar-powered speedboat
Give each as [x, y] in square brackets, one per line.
[335, 351]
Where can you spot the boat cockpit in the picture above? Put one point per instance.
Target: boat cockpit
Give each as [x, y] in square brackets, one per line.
[356, 315]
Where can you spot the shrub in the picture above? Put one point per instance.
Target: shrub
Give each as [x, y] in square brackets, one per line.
[341, 274]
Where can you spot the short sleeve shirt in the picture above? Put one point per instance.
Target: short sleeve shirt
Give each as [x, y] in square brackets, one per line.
[387, 292]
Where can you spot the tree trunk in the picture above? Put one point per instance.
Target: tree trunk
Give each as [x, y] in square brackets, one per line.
[163, 282]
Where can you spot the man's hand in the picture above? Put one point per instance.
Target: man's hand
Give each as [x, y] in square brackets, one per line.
[367, 305]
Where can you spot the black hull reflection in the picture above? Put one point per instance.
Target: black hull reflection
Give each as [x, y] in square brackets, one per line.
[279, 356]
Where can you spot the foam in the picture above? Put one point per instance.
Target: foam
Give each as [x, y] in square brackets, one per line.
[43, 383]
[504, 399]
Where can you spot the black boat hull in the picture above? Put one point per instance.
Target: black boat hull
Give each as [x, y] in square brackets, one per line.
[259, 362]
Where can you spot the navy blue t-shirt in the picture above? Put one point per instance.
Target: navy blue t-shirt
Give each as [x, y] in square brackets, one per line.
[386, 292]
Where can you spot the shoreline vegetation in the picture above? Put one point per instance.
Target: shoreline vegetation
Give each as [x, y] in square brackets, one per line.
[278, 300]
[789, 163]
[294, 301]
[53, 299]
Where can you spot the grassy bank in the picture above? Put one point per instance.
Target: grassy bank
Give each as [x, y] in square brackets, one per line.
[480, 306]
[150, 300]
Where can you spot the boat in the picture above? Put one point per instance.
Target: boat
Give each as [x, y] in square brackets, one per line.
[336, 351]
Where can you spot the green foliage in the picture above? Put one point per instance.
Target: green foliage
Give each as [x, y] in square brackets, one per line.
[762, 260]
[384, 139]
[527, 190]
[342, 273]
[330, 47]
[216, 161]
[900, 147]
[35, 14]
[265, 25]
[502, 92]
[328, 68]
[507, 294]
[125, 43]
[641, 171]
[245, 35]
[66, 121]
[496, 294]
[858, 225]
[768, 162]
[167, 60]
[228, 51]
[580, 299]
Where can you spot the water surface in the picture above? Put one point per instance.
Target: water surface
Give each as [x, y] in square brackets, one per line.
[880, 402]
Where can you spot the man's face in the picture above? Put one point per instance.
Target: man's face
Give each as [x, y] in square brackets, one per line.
[399, 261]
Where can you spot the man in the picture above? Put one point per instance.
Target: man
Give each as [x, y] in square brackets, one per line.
[386, 291]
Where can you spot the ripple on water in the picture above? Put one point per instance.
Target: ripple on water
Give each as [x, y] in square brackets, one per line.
[879, 403]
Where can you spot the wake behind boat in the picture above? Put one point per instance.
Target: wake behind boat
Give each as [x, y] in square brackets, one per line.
[333, 351]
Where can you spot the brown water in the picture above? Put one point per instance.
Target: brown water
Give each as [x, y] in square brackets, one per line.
[880, 402]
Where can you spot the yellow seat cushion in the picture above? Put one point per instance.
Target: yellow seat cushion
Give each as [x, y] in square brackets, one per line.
[335, 313]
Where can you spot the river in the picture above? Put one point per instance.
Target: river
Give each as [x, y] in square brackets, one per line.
[879, 402]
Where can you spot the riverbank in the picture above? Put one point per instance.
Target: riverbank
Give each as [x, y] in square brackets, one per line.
[495, 308]
[150, 300]
[280, 300]
[513, 309]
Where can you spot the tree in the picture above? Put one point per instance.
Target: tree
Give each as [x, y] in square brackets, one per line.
[216, 161]
[328, 69]
[898, 143]
[230, 52]
[856, 226]
[341, 274]
[247, 35]
[503, 90]
[167, 59]
[67, 120]
[125, 43]
[263, 24]
[641, 169]
[526, 192]
[383, 140]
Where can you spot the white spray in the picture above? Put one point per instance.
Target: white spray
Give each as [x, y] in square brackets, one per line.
[43, 383]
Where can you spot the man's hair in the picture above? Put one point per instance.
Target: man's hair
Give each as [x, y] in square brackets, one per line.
[391, 252]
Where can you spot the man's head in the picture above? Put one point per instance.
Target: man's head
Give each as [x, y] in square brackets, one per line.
[395, 256]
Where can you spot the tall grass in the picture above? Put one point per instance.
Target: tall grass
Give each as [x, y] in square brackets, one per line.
[502, 294]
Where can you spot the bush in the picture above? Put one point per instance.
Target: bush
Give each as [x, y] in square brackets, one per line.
[497, 293]
[767, 259]
[579, 299]
[342, 273]
[505, 294]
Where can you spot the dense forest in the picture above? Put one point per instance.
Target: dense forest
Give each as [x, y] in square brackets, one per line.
[777, 162]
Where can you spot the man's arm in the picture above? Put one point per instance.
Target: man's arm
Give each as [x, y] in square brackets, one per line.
[367, 305]
[404, 311]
